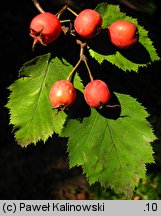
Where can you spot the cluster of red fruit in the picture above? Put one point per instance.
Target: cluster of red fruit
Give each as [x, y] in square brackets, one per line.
[46, 28]
[63, 94]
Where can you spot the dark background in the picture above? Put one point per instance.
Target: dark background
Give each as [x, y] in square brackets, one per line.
[41, 171]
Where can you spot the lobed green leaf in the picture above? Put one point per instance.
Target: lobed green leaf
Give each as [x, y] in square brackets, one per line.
[113, 152]
[131, 59]
[30, 110]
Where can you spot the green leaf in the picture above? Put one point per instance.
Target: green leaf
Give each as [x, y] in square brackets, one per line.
[31, 113]
[113, 152]
[140, 55]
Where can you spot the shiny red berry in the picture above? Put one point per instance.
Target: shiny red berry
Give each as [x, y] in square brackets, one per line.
[96, 93]
[62, 94]
[123, 34]
[45, 28]
[88, 23]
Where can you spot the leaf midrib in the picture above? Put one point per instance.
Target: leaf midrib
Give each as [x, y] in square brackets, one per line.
[37, 99]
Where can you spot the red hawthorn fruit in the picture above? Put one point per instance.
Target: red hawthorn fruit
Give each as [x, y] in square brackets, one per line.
[96, 93]
[45, 28]
[62, 94]
[123, 34]
[88, 23]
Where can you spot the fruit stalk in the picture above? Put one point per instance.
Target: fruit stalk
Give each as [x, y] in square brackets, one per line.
[74, 69]
[73, 12]
[58, 14]
[82, 58]
[66, 8]
[88, 69]
[37, 5]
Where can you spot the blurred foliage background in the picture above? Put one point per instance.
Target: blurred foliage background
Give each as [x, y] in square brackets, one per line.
[41, 171]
